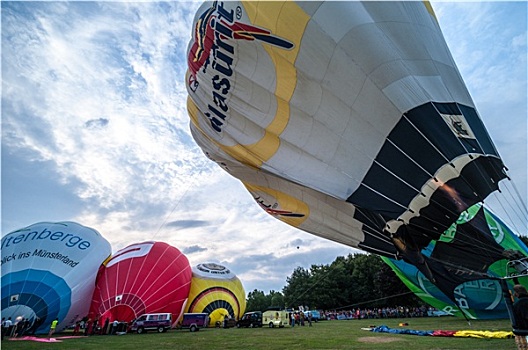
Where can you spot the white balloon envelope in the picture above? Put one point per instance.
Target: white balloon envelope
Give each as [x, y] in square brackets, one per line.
[346, 119]
[49, 271]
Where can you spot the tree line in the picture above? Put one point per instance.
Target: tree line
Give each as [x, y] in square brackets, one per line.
[354, 281]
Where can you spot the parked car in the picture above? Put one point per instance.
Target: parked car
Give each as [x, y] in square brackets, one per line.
[150, 322]
[194, 321]
[250, 319]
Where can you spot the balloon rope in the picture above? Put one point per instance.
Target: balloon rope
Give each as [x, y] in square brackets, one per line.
[520, 204]
[468, 152]
[193, 182]
[418, 165]
[437, 150]
[309, 288]
[523, 206]
[373, 300]
[507, 212]
[464, 313]
[513, 207]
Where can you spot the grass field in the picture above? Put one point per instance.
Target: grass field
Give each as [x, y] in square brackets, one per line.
[323, 335]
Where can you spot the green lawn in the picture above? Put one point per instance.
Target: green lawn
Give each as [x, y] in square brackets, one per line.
[323, 335]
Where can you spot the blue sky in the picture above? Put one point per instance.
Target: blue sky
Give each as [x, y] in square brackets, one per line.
[95, 130]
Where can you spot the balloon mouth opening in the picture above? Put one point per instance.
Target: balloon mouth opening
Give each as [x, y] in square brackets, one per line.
[217, 316]
[120, 313]
[20, 312]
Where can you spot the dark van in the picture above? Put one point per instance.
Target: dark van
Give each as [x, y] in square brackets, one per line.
[152, 322]
[194, 321]
[250, 319]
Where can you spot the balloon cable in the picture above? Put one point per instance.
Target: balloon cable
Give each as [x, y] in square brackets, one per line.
[374, 300]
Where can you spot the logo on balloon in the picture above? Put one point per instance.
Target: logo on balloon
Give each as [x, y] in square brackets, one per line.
[213, 268]
[270, 209]
[280, 205]
[215, 27]
[459, 126]
[132, 251]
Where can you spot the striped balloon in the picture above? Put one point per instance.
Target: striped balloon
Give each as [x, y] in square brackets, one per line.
[48, 272]
[217, 291]
[147, 277]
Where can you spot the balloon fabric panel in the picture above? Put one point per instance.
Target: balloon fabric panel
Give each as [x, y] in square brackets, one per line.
[53, 272]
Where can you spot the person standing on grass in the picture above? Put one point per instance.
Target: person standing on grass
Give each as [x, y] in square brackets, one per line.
[36, 324]
[520, 316]
[77, 328]
[52, 327]
[8, 327]
[3, 327]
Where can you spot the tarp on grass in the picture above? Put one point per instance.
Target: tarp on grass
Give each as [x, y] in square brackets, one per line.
[444, 333]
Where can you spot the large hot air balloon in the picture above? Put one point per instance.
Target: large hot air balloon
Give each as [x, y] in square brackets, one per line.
[148, 277]
[216, 290]
[48, 272]
[348, 120]
[482, 299]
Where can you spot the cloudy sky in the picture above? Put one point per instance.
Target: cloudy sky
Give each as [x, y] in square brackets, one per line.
[95, 130]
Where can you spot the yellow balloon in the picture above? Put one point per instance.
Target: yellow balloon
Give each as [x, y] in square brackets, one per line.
[217, 291]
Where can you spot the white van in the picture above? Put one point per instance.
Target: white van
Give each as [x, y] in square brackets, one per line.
[276, 318]
[152, 322]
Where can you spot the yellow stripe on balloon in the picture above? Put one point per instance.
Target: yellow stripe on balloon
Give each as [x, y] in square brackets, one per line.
[285, 202]
[238, 152]
[264, 14]
[199, 299]
[430, 10]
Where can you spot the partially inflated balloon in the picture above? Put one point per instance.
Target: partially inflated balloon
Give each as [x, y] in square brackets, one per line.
[48, 272]
[478, 299]
[148, 277]
[346, 119]
[217, 291]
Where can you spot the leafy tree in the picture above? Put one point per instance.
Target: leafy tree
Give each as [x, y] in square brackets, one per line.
[257, 301]
[325, 288]
[359, 280]
[276, 300]
[393, 290]
[297, 286]
[336, 284]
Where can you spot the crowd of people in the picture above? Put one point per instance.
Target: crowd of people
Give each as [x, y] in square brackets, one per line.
[23, 327]
[88, 326]
[300, 318]
[19, 327]
[384, 312]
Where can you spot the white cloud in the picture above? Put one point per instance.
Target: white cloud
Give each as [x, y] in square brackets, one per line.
[94, 121]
